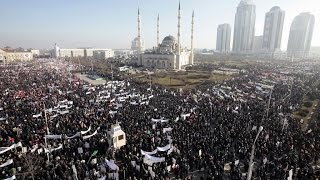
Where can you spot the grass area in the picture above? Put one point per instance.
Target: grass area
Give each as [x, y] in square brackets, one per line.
[167, 82]
[305, 112]
[182, 79]
[219, 77]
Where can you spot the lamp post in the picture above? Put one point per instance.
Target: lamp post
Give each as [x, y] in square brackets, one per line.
[269, 102]
[48, 132]
[252, 155]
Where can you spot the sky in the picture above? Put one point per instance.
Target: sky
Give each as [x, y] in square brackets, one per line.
[113, 23]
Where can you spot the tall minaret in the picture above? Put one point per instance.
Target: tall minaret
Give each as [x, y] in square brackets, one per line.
[192, 30]
[139, 38]
[179, 19]
[158, 24]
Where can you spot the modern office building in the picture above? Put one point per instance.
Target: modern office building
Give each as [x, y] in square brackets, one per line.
[273, 26]
[223, 38]
[244, 27]
[300, 37]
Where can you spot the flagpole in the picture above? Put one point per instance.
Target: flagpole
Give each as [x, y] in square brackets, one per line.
[45, 139]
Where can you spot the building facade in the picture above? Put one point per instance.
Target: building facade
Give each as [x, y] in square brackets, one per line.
[103, 54]
[244, 27]
[273, 27]
[300, 37]
[223, 38]
[106, 52]
[71, 53]
[81, 52]
[7, 55]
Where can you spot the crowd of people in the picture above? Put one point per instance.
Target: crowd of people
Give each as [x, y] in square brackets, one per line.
[55, 126]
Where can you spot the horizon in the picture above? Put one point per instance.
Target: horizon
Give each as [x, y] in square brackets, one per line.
[108, 24]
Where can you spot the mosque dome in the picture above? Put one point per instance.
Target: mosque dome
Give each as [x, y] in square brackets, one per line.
[135, 44]
[168, 41]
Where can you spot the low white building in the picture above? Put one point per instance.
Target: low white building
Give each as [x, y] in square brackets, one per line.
[103, 54]
[82, 52]
[14, 55]
[35, 52]
[71, 53]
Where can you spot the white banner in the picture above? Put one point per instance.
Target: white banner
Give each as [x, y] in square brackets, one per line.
[56, 115]
[11, 178]
[184, 116]
[74, 136]
[85, 132]
[5, 149]
[37, 115]
[54, 149]
[112, 165]
[165, 148]
[170, 151]
[155, 159]
[53, 136]
[155, 120]
[149, 153]
[290, 174]
[89, 136]
[112, 112]
[35, 147]
[10, 161]
[167, 129]
[64, 112]
[162, 120]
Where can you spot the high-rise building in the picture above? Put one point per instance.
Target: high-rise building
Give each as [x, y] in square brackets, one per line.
[244, 27]
[300, 37]
[273, 26]
[223, 38]
[257, 44]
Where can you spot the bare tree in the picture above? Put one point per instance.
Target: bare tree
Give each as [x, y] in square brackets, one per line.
[31, 165]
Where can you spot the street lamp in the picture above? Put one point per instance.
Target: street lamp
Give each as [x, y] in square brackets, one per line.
[269, 102]
[252, 155]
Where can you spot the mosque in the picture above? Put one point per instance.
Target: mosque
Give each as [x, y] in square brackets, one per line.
[168, 54]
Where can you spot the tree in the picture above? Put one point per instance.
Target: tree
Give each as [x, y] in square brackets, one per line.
[31, 165]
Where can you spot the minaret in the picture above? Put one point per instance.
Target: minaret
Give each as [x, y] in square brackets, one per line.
[56, 51]
[139, 38]
[158, 24]
[192, 30]
[179, 19]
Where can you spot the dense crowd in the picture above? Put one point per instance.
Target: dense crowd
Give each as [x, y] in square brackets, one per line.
[209, 130]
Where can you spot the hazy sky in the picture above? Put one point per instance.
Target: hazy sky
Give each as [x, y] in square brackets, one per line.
[113, 23]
